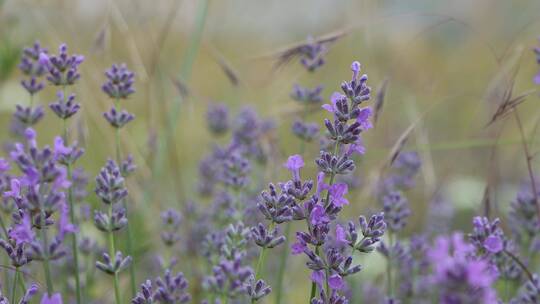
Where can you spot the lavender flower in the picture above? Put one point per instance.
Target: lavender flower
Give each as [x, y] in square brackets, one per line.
[305, 131]
[145, 296]
[51, 299]
[529, 293]
[119, 83]
[28, 116]
[459, 278]
[115, 265]
[65, 108]
[172, 289]
[217, 118]
[118, 119]
[312, 54]
[62, 68]
[396, 210]
[110, 184]
[171, 224]
[306, 95]
[32, 68]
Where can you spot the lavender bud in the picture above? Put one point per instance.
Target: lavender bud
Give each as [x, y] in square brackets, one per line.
[118, 119]
[306, 95]
[119, 82]
[217, 119]
[305, 131]
[63, 108]
[257, 290]
[264, 238]
[27, 115]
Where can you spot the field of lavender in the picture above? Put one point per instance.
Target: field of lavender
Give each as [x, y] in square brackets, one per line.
[230, 152]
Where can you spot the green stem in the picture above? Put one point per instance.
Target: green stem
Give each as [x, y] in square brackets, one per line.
[313, 284]
[112, 254]
[285, 251]
[14, 287]
[389, 265]
[283, 263]
[129, 239]
[74, 246]
[46, 267]
[262, 255]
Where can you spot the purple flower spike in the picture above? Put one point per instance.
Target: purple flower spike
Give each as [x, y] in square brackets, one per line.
[335, 282]
[337, 194]
[493, 244]
[119, 82]
[65, 108]
[62, 68]
[318, 215]
[31, 66]
[22, 233]
[294, 164]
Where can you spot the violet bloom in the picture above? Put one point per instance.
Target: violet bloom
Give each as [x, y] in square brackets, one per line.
[312, 54]
[337, 194]
[54, 299]
[64, 107]
[22, 233]
[487, 235]
[307, 95]
[459, 278]
[62, 68]
[294, 164]
[217, 119]
[318, 215]
[31, 67]
[119, 83]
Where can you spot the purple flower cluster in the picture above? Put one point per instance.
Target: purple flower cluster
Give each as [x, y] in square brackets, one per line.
[243, 217]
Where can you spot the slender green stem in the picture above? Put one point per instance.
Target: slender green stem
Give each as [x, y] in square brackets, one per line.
[285, 251]
[389, 265]
[129, 246]
[74, 246]
[14, 287]
[262, 256]
[313, 284]
[129, 239]
[46, 268]
[112, 254]
[283, 263]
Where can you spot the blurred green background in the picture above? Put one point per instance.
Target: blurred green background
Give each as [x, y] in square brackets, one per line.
[447, 62]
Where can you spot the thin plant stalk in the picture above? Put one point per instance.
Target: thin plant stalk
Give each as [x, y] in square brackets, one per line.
[389, 265]
[129, 239]
[262, 256]
[330, 183]
[185, 74]
[112, 254]
[285, 251]
[46, 266]
[74, 246]
[529, 165]
[14, 287]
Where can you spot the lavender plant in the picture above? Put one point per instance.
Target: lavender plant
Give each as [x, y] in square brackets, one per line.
[239, 227]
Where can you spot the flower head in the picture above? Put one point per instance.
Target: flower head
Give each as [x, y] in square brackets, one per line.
[119, 82]
[294, 164]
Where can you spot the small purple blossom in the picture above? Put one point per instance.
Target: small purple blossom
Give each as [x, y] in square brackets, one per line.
[294, 164]
[62, 68]
[119, 83]
[55, 298]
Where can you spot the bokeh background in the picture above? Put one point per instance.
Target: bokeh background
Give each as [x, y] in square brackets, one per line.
[448, 64]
